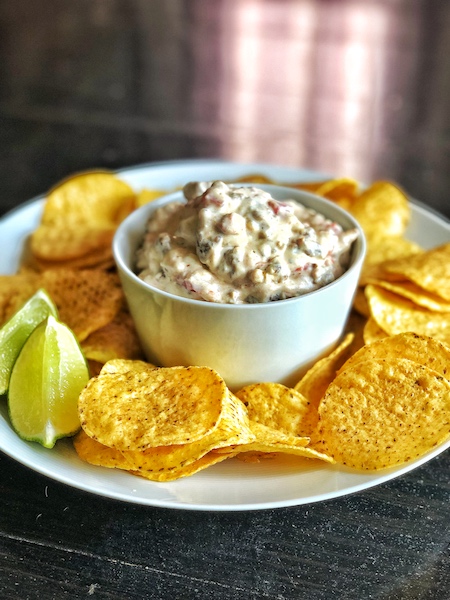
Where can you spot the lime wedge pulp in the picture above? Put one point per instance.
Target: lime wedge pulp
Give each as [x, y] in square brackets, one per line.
[45, 383]
[15, 332]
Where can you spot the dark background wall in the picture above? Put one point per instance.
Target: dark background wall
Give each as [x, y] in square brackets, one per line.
[351, 88]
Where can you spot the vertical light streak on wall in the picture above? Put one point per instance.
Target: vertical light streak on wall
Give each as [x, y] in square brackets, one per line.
[362, 86]
[265, 100]
[239, 96]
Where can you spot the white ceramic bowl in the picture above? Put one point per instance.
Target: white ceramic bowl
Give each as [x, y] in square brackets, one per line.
[245, 343]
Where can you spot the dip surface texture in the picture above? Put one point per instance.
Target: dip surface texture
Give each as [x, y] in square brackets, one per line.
[239, 245]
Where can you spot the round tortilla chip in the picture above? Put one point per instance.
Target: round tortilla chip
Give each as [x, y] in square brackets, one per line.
[97, 454]
[144, 408]
[272, 441]
[80, 216]
[382, 413]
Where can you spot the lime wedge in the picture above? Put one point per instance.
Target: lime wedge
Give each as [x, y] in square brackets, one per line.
[15, 332]
[46, 380]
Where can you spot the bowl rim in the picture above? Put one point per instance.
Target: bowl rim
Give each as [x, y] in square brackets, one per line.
[359, 247]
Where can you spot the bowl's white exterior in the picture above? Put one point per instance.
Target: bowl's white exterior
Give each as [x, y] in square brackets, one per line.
[274, 341]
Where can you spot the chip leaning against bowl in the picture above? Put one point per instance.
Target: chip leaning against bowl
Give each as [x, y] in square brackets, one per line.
[236, 245]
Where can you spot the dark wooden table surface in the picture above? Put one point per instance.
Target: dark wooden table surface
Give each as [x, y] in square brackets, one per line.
[352, 88]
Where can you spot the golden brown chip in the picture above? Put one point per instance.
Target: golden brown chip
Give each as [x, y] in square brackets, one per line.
[360, 303]
[373, 332]
[381, 413]
[395, 314]
[269, 441]
[116, 339]
[148, 195]
[383, 248]
[382, 207]
[15, 290]
[206, 461]
[342, 191]
[314, 383]
[94, 367]
[429, 270]
[419, 348]
[97, 454]
[86, 300]
[80, 216]
[413, 292]
[276, 406]
[140, 409]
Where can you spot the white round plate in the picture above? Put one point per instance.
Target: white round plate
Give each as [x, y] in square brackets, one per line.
[231, 485]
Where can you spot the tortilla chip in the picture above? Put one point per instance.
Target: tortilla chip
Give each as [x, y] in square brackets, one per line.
[429, 270]
[315, 382]
[373, 332]
[80, 216]
[382, 207]
[395, 314]
[419, 348]
[383, 413]
[276, 406]
[141, 409]
[116, 339]
[413, 292]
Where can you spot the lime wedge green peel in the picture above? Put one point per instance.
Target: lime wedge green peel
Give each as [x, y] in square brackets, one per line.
[45, 383]
[15, 332]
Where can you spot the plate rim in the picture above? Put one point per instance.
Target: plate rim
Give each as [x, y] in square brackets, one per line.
[379, 479]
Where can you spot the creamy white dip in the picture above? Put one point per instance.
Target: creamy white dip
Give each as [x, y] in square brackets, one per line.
[239, 245]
